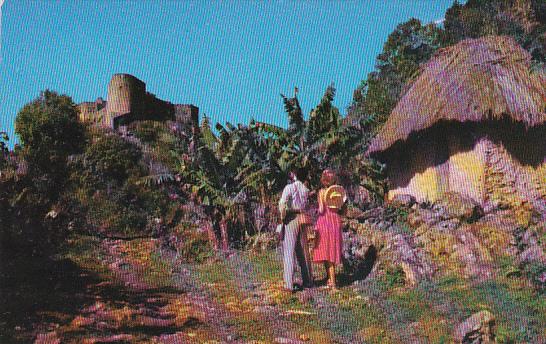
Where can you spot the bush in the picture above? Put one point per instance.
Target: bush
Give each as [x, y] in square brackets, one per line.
[50, 131]
[128, 211]
[35, 212]
[395, 276]
[536, 272]
[30, 222]
[147, 131]
[109, 158]
[191, 244]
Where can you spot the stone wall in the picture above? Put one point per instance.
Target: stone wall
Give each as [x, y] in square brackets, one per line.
[92, 112]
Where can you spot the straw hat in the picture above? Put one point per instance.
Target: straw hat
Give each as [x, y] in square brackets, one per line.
[335, 196]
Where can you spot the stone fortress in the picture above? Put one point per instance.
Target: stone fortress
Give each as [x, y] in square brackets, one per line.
[129, 101]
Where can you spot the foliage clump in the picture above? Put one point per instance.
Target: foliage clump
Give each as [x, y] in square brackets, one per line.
[191, 244]
[37, 213]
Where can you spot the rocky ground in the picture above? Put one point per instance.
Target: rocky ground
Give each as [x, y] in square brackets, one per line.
[444, 273]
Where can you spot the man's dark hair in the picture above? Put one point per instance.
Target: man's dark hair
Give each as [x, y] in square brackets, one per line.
[301, 174]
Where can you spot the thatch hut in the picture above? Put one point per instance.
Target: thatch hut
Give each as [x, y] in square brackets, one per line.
[472, 122]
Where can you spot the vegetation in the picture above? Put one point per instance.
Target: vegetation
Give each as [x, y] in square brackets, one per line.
[411, 44]
[34, 192]
[170, 202]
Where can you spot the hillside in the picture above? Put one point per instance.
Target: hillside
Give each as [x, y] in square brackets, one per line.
[132, 220]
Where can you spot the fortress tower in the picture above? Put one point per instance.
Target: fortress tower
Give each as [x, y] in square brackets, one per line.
[126, 95]
[128, 101]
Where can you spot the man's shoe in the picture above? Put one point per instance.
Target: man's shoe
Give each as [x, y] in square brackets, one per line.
[297, 287]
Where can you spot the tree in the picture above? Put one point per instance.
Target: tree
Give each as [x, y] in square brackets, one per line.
[3, 148]
[296, 122]
[109, 158]
[50, 132]
[407, 47]
[208, 137]
[35, 214]
[324, 118]
[524, 20]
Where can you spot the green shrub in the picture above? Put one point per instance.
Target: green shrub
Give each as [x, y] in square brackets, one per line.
[394, 276]
[147, 131]
[536, 272]
[191, 244]
[109, 158]
[129, 210]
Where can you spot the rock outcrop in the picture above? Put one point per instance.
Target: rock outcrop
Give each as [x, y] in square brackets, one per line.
[454, 234]
[477, 329]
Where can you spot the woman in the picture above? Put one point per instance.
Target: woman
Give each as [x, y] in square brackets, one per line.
[328, 245]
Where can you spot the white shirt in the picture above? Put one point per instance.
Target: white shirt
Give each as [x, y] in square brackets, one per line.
[294, 196]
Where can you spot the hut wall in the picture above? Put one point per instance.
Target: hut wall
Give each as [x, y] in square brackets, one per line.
[421, 172]
[480, 169]
[467, 167]
[510, 183]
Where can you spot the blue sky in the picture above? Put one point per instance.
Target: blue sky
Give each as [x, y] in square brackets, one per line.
[232, 59]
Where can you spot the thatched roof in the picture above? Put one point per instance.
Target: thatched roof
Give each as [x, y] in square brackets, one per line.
[475, 80]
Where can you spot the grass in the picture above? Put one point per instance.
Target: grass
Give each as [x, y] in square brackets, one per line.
[313, 320]
[346, 313]
[378, 311]
[431, 324]
[361, 313]
[372, 324]
[221, 285]
[521, 315]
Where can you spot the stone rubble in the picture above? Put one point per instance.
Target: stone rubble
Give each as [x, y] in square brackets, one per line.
[454, 232]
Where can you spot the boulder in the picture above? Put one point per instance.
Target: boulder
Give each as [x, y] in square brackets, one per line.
[426, 216]
[533, 253]
[494, 236]
[355, 213]
[403, 200]
[454, 205]
[449, 225]
[478, 328]
[415, 220]
[369, 250]
[361, 195]
[412, 259]
[475, 258]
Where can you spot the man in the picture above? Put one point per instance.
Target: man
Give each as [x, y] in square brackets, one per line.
[292, 207]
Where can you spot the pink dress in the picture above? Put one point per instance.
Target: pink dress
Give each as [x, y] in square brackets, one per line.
[329, 245]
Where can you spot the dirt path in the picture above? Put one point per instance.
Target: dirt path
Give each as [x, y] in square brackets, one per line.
[137, 302]
[246, 280]
[216, 315]
[338, 322]
[141, 293]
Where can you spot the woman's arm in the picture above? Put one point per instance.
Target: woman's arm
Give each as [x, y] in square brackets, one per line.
[343, 210]
[320, 204]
